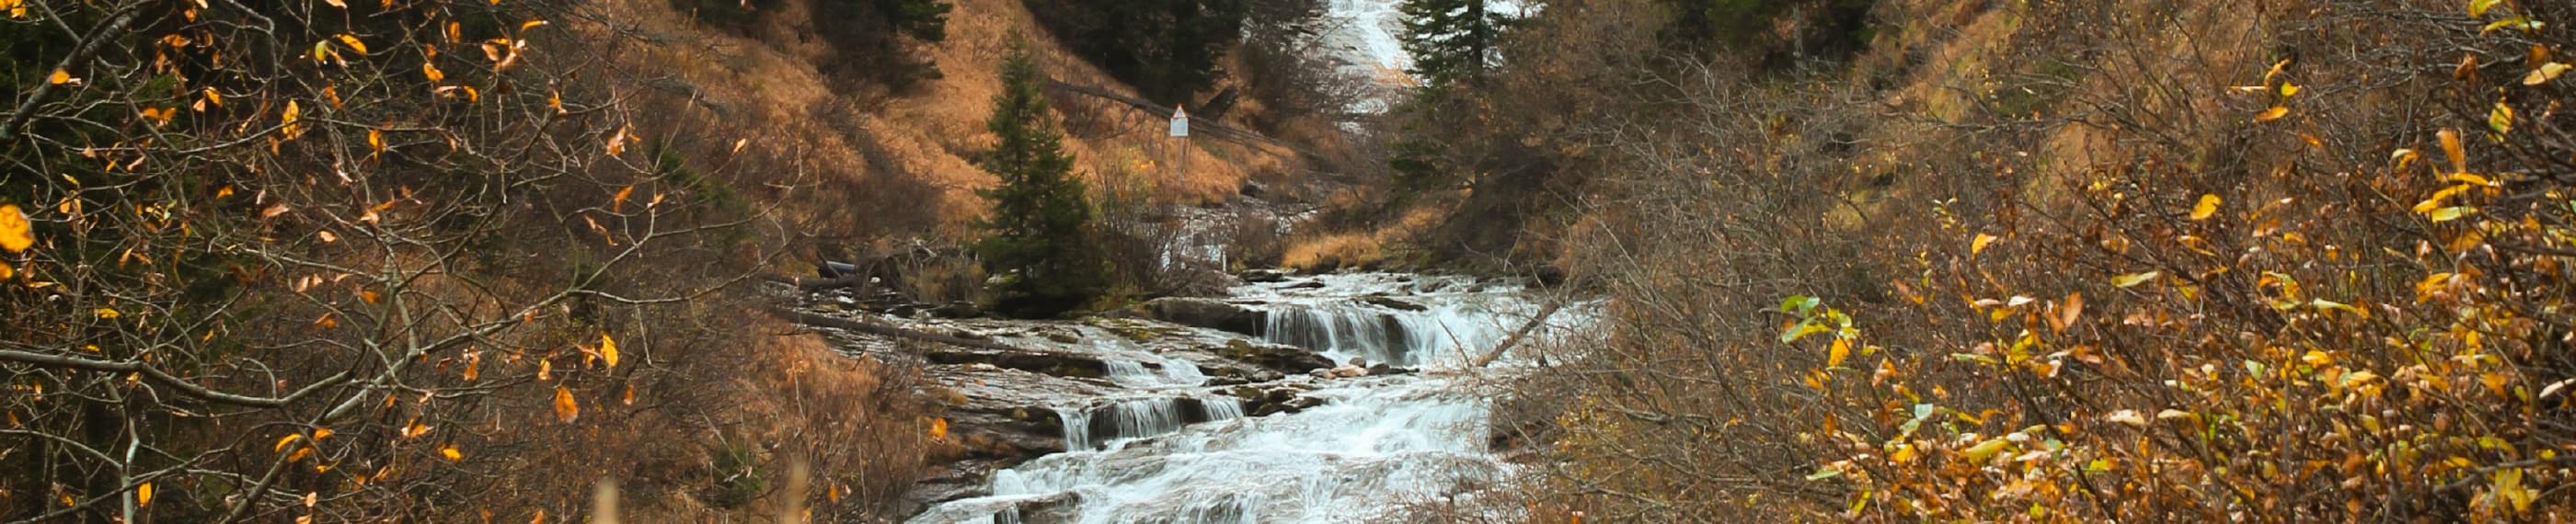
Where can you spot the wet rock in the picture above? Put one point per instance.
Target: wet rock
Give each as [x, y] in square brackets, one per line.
[1264, 276]
[1236, 375]
[1051, 363]
[1393, 303]
[1284, 359]
[959, 309]
[1198, 282]
[1383, 370]
[1206, 313]
[1550, 275]
[1350, 372]
[1290, 404]
[1008, 435]
[1063, 337]
[1061, 508]
[1310, 284]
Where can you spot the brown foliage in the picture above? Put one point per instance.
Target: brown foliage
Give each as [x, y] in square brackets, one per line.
[2135, 261]
[367, 263]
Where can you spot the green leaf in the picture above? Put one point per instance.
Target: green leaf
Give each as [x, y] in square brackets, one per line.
[1824, 473]
[1800, 304]
[1801, 331]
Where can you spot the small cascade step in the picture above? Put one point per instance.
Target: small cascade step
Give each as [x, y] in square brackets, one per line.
[1092, 428]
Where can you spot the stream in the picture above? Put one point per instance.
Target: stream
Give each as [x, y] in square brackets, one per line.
[1198, 411]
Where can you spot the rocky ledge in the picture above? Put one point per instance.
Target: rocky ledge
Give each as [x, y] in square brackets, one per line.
[1011, 388]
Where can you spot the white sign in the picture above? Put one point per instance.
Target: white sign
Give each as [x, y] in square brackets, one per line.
[1180, 122]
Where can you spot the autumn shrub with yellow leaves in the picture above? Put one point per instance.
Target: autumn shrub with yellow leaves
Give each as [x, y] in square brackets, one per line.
[2284, 261]
[362, 261]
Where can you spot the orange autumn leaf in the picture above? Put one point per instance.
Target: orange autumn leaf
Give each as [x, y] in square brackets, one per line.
[608, 349]
[16, 234]
[2275, 113]
[565, 409]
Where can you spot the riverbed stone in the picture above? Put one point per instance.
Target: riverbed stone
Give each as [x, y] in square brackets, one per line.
[1207, 313]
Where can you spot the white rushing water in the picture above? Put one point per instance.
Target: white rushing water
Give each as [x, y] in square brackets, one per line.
[1375, 444]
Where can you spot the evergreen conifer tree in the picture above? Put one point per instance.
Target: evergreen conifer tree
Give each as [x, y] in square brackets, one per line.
[1451, 40]
[1037, 233]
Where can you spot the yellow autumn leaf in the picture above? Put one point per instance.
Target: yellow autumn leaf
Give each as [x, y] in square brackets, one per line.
[2275, 113]
[2451, 149]
[431, 70]
[2276, 70]
[2545, 73]
[939, 429]
[531, 24]
[352, 41]
[2480, 7]
[2315, 358]
[2521, 23]
[282, 442]
[7, 272]
[289, 120]
[450, 452]
[2501, 119]
[59, 77]
[1841, 350]
[16, 234]
[143, 494]
[1984, 450]
[2133, 279]
[1978, 245]
[2289, 89]
[2208, 206]
[108, 313]
[608, 349]
[565, 409]
[2450, 213]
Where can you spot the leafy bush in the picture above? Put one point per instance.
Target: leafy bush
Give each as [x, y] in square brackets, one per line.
[2232, 283]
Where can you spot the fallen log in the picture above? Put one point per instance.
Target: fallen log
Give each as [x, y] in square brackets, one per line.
[811, 284]
[1515, 339]
[815, 320]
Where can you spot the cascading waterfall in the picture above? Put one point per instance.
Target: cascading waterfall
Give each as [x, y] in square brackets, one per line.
[1375, 444]
[1089, 428]
[1130, 372]
[1376, 336]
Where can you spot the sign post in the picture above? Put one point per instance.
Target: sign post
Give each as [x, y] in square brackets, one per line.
[1180, 139]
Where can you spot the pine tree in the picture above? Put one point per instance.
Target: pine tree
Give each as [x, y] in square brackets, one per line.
[1451, 40]
[1037, 233]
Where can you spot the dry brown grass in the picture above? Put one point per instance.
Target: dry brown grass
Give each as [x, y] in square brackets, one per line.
[927, 135]
[1369, 247]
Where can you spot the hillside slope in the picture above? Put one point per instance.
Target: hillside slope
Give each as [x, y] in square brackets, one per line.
[925, 135]
[2062, 261]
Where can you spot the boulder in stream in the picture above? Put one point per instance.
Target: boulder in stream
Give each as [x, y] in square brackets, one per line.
[1393, 303]
[1206, 313]
[1284, 359]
